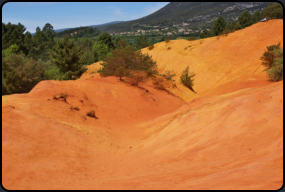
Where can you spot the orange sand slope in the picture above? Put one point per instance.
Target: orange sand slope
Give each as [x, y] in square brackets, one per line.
[227, 61]
[228, 136]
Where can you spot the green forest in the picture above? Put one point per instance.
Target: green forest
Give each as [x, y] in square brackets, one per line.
[28, 59]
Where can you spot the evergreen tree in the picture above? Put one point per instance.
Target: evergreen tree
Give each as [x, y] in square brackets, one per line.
[141, 42]
[100, 50]
[237, 26]
[219, 25]
[106, 38]
[20, 74]
[232, 26]
[50, 35]
[273, 11]
[13, 34]
[245, 19]
[67, 57]
[30, 45]
[257, 16]
[205, 34]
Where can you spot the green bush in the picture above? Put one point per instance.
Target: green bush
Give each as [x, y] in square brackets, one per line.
[135, 77]
[159, 83]
[191, 38]
[167, 39]
[20, 74]
[269, 55]
[150, 47]
[169, 75]
[129, 59]
[121, 72]
[273, 11]
[187, 79]
[275, 73]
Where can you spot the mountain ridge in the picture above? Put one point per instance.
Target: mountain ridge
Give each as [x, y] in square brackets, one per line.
[194, 14]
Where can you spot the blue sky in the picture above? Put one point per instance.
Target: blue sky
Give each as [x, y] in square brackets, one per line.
[74, 14]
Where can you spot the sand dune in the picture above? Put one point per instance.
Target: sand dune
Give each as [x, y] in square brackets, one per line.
[228, 136]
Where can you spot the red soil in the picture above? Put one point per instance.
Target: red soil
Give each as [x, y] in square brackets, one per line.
[228, 136]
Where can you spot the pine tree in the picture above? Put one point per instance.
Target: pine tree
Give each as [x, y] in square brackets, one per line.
[106, 38]
[141, 42]
[257, 16]
[67, 57]
[50, 35]
[13, 34]
[245, 19]
[219, 25]
[233, 25]
[273, 11]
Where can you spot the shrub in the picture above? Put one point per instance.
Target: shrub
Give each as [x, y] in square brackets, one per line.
[135, 77]
[121, 72]
[168, 75]
[167, 39]
[159, 82]
[237, 26]
[20, 74]
[226, 31]
[269, 55]
[141, 42]
[275, 73]
[273, 11]
[150, 47]
[186, 79]
[191, 38]
[129, 59]
[168, 48]
[53, 72]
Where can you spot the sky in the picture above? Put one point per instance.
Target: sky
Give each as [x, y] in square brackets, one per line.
[74, 14]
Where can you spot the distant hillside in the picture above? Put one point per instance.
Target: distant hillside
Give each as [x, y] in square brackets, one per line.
[79, 32]
[105, 25]
[195, 14]
[99, 27]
